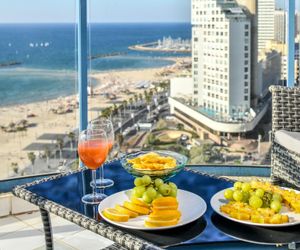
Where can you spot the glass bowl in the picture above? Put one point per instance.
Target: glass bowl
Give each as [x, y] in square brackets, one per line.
[164, 174]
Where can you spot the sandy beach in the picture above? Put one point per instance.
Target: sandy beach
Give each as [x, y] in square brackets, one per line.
[44, 117]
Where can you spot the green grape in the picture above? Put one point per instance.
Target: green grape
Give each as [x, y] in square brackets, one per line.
[259, 192]
[158, 182]
[139, 191]
[255, 201]
[165, 189]
[173, 192]
[146, 198]
[276, 206]
[267, 198]
[158, 195]
[138, 181]
[146, 180]
[237, 195]
[173, 185]
[246, 187]
[151, 192]
[237, 185]
[228, 194]
[246, 196]
[277, 197]
[133, 193]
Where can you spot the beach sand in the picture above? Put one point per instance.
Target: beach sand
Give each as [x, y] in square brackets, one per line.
[45, 121]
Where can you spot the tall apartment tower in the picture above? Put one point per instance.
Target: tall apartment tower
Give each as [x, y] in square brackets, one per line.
[221, 40]
[279, 26]
[265, 22]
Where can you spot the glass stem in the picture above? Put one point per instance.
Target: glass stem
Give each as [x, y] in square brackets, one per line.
[101, 170]
[94, 181]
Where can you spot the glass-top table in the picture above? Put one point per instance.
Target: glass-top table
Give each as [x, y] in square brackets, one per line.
[62, 194]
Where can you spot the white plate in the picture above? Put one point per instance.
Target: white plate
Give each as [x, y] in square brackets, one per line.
[191, 207]
[218, 200]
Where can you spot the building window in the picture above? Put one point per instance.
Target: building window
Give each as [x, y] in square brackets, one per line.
[196, 39]
[246, 84]
[245, 69]
[246, 55]
[246, 33]
[246, 48]
[246, 91]
[246, 98]
[246, 77]
[246, 26]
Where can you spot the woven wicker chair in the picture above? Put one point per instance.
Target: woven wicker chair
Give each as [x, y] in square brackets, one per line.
[285, 115]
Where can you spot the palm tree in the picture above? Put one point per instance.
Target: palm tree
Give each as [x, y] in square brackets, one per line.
[71, 136]
[60, 144]
[130, 102]
[141, 96]
[47, 153]
[125, 103]
[120, 139]
[31, 157]
[15, 167]
[148, 101]
[136, 98]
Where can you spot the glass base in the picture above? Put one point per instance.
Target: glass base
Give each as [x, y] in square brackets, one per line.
[93, 198]
[104, 183]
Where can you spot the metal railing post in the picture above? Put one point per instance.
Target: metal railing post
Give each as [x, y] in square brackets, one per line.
[82, 63]
[290, 27]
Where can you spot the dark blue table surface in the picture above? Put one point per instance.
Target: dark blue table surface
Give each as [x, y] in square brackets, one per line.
[68, 190]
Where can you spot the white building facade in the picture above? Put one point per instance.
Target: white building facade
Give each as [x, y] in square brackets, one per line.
[221, 56]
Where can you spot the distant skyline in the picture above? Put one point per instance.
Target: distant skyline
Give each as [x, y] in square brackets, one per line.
[64, 11]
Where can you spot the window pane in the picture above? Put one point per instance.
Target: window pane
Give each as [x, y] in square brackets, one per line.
[38, 105]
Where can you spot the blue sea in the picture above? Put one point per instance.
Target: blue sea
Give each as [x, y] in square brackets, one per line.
[47, 53]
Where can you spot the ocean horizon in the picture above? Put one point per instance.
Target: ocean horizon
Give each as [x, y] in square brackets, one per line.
[47, 55]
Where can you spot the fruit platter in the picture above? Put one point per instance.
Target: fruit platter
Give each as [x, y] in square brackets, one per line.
[152, 204]
[258, 203]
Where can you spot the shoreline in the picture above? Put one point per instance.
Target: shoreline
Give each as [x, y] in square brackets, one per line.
[92, 73]
[44, 120]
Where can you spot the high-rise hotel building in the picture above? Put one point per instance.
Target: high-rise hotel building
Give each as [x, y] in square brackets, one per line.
[221, 41]
[226, 94]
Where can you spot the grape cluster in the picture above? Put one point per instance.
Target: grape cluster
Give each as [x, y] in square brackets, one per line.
[148, 189]
[255, 197]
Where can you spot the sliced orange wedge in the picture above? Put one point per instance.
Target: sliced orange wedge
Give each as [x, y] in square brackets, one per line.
[139, 202]
[136, 208]
[165, 215]
[159, 223]
[114, 215]
[158, 208]
[124, 210]
[165, 201]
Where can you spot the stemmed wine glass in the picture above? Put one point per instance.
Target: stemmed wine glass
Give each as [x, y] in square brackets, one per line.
[107, 126]
[93, 150]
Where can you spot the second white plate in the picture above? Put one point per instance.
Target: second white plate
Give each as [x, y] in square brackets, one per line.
[218, 200]
[191, 207]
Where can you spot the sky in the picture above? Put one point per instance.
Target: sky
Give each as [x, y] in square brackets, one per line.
[30, 11]
[47, 11]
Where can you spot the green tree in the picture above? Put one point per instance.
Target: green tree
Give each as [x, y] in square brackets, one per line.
[47, 153]
[60, 144]
[180, 126]
[15, 167]
[136, 98]
[71, 136]
[31, 157]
